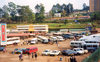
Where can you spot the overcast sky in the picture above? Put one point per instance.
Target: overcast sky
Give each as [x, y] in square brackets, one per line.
[77, 4]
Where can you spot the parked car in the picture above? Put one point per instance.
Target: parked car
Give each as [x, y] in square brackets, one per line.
[77, 34]
[80, 50]
[2, 48]
[30, 50]
[46, 52]
[60, 38]
[18, 50]
[55, 53]
[53, 38]
[69, 52]
[68, 36]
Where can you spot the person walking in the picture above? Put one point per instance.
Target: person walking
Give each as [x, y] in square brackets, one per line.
[74, 59]
[32, 55]
[20, 57]
[56, 42]
[28, 55]
[36, 55]
[71, 59]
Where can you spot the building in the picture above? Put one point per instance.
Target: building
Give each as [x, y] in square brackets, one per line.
[57, 15]
[33, 28]
[94, 5]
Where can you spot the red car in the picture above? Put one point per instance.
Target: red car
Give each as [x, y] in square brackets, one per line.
[30, 50]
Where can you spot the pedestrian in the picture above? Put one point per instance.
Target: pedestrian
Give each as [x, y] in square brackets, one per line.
[4, 50]
[20, 57]
[36, 55]
[56, 42]
[32, 55]
[28, 54]
[61, 58]
[71, 59]
[74, 59]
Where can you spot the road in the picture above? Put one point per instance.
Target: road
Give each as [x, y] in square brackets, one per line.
[8, 57]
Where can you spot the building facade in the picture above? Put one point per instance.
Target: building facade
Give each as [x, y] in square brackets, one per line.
[32, 28]
[94, 5]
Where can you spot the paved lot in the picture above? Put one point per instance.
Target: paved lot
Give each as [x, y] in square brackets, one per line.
[8, 57]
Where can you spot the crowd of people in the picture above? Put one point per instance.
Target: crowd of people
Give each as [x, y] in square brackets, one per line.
[33, 55]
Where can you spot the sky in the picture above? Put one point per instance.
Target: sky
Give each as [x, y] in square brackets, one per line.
[77, 4]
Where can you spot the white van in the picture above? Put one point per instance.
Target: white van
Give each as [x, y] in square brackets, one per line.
[34, 41]
[43, 39]
[53, 38]
[77, 43]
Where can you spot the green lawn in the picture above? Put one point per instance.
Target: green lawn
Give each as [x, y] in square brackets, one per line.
[53, 25]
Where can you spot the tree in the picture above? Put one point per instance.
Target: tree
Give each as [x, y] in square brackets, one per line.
[69, 8]
[12, 10]
[38, 8]
[65, 21]
[26, 14]
[39, 13]
[63, 13]
[1, 13]
[5, 10]
[85, 7]
[95, 16]
[63, 7]
[56, 8]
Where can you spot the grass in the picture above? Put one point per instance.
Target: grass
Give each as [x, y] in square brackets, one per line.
[53, 25]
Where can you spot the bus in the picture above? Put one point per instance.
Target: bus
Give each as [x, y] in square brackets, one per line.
[13, 40]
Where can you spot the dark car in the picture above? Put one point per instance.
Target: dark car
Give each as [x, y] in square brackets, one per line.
[69, 52]
[77, 34]
[2, 48]
[91, 49]
[68, 36]
[18, 50]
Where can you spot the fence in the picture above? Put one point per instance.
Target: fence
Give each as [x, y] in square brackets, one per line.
[94, 57]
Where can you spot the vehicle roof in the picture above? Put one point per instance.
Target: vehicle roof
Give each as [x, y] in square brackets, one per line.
[2, 47]
[47, 49]
[34, 39]
[31, 47]
[67, 50]
[77, 48]
[92, 43]
[77, 42]
[90, 38]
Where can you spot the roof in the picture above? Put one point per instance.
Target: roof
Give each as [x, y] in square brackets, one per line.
[18, 34]
[31, 47]
[95, 37]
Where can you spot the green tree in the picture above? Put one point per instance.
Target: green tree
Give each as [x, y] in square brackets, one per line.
[65, 21]
[56, 8]
[1, 13]
[5, 10]
[63, 13]
[85, 7]
[40, 13]
[69, 8]
[26, 14]
[12, 10]
[95, 16]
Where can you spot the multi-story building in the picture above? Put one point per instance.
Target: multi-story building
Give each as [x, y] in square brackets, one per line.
[94, 5]
[32, 28]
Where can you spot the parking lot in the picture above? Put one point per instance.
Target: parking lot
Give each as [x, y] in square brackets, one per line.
[8, 57]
